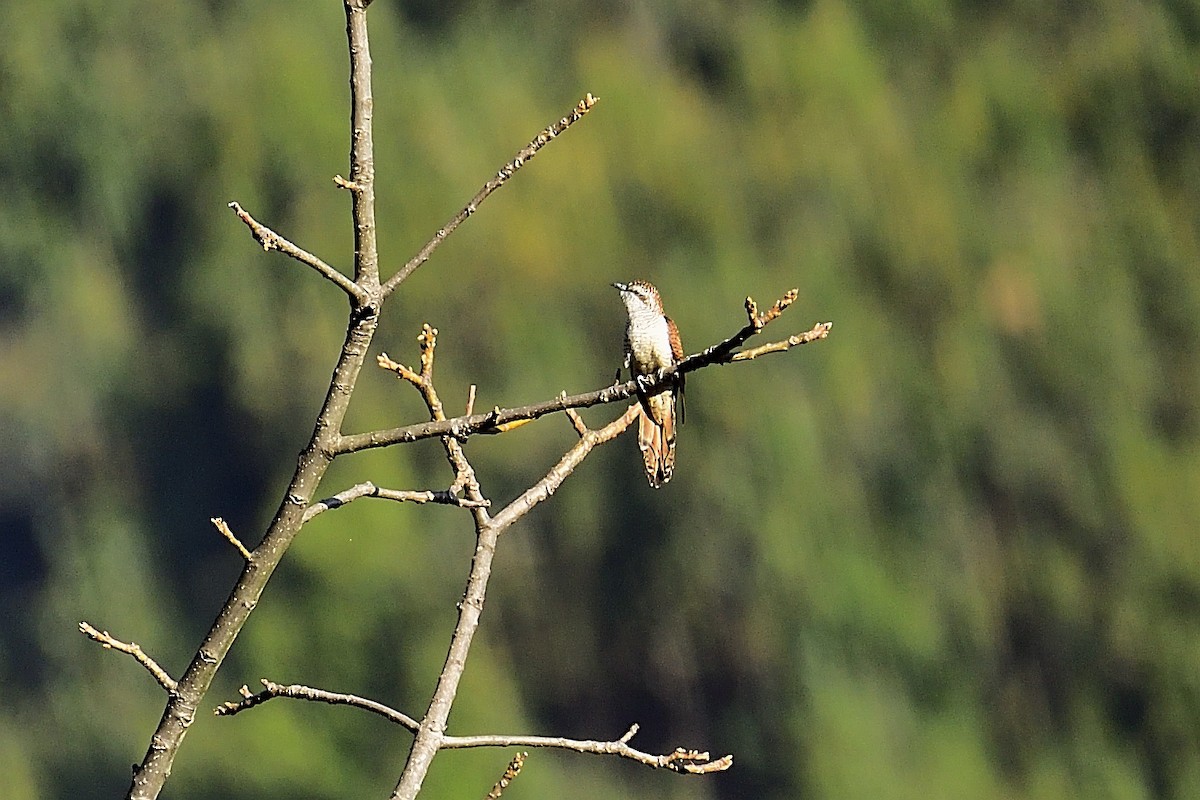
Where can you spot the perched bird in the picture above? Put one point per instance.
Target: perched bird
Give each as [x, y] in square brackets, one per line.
[652, 344]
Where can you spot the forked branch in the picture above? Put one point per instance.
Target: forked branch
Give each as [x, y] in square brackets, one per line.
[684, 760]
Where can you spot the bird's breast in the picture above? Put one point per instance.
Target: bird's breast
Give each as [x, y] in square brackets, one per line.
[650, 344]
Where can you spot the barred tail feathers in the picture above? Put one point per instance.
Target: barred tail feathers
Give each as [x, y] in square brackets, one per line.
[656, 437]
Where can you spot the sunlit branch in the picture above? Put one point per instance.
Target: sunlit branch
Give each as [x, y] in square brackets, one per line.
[549, 484]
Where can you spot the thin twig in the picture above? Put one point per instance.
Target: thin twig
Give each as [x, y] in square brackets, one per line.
[270, 240]
[693, 762]
[368, 489]
[506, 172]
[223, 527]
[298, 692]
[134, 649]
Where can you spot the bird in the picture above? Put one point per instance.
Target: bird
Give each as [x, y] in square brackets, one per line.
[651, 345]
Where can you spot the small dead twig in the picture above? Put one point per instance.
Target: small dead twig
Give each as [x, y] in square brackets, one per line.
[223, 527]
[510, 775]
[471, 400]
[576, 421]
[464, 474]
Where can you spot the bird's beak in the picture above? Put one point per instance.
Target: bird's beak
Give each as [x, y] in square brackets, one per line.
[620, 287]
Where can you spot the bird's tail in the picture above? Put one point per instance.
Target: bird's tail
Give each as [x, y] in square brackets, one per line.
[656, 437]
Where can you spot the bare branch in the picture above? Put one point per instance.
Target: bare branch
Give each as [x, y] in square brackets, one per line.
[223, 527]
[362, 150]
[152, 773]
[430, 734]
[506, 172]
[448, 497]
[680, 760]
[510, 775]
[298, 692]
[133, 649]
[270, 240]
[499, 420]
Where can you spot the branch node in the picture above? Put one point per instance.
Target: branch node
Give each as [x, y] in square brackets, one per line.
[348, 185]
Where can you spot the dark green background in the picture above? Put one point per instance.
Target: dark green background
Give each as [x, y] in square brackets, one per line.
[951, 552]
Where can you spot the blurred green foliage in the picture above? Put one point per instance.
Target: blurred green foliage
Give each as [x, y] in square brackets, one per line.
[950, 552]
